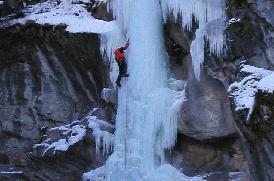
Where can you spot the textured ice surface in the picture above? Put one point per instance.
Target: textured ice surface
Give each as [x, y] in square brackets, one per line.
[210, 15]
[103, 138]
[146, 121]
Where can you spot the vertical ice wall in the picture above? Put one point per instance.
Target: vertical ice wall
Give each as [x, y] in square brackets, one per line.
[210, 15]
[144, 125]
[146, 121]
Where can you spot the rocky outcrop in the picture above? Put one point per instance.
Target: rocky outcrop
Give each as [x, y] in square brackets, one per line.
[217, 159]
[252, 97]
[207, 139]
[207, 114]
[48, 78]
[252, 40]
[260, 137]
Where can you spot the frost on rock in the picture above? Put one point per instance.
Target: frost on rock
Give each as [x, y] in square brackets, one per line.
[109, 95]
[210, 15]
[68, 12]
[233, 21]
[63, 137]
[254, 79]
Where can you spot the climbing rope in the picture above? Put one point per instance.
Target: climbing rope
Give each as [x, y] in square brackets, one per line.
[126, 125]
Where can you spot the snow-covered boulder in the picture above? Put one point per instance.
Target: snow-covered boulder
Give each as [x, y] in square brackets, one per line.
[252, 80]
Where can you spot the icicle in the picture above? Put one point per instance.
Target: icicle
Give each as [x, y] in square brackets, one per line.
[103, 139]
[210, 14]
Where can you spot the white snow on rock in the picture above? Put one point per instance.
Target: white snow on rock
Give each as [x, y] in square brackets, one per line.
[243, 92]
[75, 16]
[77, 133]
[1, 2]
[109, 95]
[267, 83]
[233, 21]
[11, 172]
[71, 134]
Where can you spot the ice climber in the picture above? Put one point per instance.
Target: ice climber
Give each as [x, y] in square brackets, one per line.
[121, 60]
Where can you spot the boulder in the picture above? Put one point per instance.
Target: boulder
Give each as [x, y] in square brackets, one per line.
[206, 113]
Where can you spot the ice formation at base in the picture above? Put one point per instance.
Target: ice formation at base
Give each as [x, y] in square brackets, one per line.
[210, 15]
[148, 102]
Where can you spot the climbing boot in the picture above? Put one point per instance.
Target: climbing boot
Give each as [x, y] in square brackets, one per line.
[118, 84]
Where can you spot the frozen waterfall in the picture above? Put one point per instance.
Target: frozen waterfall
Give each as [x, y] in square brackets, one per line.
[146, 121]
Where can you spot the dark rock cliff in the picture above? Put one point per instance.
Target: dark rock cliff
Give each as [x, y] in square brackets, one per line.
[48, 78]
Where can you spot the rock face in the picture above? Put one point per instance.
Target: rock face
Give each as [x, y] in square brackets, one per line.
[207, 139]
[48, 78]
[219, 158]
[252, 39]
[207, 114]
[260, 136]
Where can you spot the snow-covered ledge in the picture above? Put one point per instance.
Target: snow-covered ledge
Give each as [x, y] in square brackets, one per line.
[253, 79]
[69, 12]
[63, 137]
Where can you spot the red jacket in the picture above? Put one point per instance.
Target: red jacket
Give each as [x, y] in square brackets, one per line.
[119, 53]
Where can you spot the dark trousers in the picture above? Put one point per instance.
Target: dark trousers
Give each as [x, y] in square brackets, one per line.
[122, 70]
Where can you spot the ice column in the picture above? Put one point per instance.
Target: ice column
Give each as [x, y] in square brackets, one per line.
[210, 15]
[146, 120]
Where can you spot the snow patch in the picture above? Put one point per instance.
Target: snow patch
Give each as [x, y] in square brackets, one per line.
[77, 133]
[75, 16]
[267, 83]
[68, 135]
[233, 21]
[244, 91]
[11, 172]
[1, 2]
